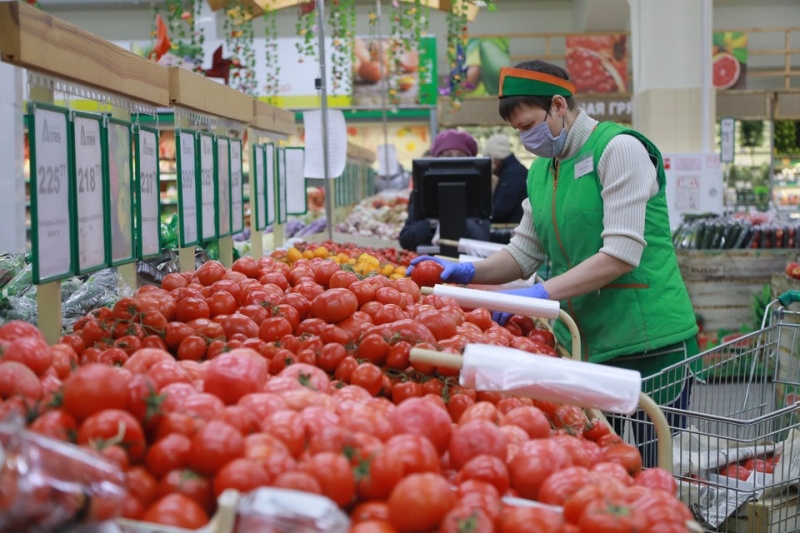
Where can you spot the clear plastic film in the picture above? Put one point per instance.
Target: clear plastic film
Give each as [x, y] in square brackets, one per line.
[496, 368]
[289, 511]
[495, 301]
[478, 248]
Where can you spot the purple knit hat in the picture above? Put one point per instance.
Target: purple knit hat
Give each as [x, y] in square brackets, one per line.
[454, 140]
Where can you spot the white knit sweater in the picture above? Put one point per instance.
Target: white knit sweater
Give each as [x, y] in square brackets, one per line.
[628, 178]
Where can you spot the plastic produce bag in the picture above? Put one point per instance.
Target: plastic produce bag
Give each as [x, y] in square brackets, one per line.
[268, 510]
[100, 289]
[48, 486]
[10, 264]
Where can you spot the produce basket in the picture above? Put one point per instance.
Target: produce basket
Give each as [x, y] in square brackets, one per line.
[738, 460]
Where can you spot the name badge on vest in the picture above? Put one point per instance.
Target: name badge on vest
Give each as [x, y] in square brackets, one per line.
[584, 166]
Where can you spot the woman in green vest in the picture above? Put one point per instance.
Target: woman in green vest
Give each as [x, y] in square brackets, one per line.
[597, 209]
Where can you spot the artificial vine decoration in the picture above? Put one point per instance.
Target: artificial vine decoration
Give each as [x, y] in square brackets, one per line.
[177, 15]
[198, 37]
[238, 28]
[342, 33]
[181, 17]
[272, 88]
[456, 51]
[307, 29]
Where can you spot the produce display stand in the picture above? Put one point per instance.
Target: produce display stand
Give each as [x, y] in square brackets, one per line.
[269, 126]
[355, 184]
[62, 59]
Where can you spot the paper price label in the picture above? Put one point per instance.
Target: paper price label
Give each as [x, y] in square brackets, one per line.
[50, 199]
[223, 187]
[237, 207]
[260, 187]
[149, 193]
[296, 194]
[120, 175]
[208, 196]
[281, 185]
[90, 193]
[272, 199]
[187, 187]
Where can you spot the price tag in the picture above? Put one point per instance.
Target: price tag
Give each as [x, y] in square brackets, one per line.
[296, 194]
[90, 213]
[259, 196]
[728, 140]
[223, 187]
[272, 198]
[51, 230]
[185, 140]
[120, 181]
[281, 185]
[149, 194]
[208, 196]
[237, 202]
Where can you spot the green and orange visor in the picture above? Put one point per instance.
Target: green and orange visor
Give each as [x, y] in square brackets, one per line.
[520, 82]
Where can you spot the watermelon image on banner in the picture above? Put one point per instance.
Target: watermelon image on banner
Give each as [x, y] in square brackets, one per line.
[730, 60]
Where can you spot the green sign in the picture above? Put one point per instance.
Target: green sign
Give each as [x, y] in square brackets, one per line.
[186, 153]
[120, 191]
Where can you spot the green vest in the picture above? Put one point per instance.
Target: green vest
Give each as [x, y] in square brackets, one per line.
[641, 311]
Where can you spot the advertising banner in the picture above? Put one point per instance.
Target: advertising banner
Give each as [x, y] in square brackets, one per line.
[598, 63]
[730, 60]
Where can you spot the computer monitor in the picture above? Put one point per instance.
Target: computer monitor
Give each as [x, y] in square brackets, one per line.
[452, 189]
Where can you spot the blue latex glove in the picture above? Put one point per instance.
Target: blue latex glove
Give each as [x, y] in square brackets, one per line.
[461, 273]
[537, 291]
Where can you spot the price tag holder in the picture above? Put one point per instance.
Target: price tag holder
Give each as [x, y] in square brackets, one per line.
[296, 194]
[282, 213]
[119, 164]
[91, 250]
[258, 197]
[223, 173]
[51, 200]
[186, 143]
[237, 184]
[207, 197]
[271, 175]
[148, 193]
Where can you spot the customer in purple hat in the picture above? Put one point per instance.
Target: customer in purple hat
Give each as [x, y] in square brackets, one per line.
[449, 143]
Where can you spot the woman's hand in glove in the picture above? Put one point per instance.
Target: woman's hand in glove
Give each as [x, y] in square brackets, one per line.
[461, 273]
[537, 291]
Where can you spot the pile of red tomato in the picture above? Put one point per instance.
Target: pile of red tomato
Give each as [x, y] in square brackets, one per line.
[384, 255]
[299, 378]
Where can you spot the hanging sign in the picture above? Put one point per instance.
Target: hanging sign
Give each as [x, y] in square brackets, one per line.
[281, 185]
[51, 231]
[296, 196]
[120, 192]
[272, 198]
[223, 187]
[727, 140]
[237, 201]
[187, 187]
[148, 192]
[207, 197]
[336, 135]
[90, 218]
[259, 196]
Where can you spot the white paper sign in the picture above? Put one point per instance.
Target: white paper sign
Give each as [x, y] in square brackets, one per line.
[149, 194]
[260, 188]
[387, 160]
[208, 198]
[237, 208]
[187, 188]
[89, 187]
[269, 152]
[727, 139]
[223, 186]
[281, 185]
[337, 144]
[694, 185]
[120, 184]
[50, 198]
[296, 197]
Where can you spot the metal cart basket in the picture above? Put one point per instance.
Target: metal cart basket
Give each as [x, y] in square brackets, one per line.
[743, 404]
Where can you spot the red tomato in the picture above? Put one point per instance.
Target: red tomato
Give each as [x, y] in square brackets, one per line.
[243, 475]
[32, 352]
[335, 476]
[17, 329]
[334, 305]
[476, 438]
[535, 461]
[176, 510]
[417, 416]
[116, 427]
[190, 485]
[302, 481]
[627, 456]
[169, 453]
[542, 336]
[559, 486]
[56, 424]
[17, 379]
[524, 519]
[486, 468]
[368, 377]
[759, 465]
[428, 495]
[192, 348]
[427, 273]
[735, 471]
[657, 479]
[236, 373]
[214, 446]
[93, 388]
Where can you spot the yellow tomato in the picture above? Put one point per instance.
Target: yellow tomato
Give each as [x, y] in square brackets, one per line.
[370, 260]
[387, 269]
[321, 252]
[308, 254]
[293, 254]
[400, 271]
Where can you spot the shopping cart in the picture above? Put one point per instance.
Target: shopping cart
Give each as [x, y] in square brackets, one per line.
[743, 404]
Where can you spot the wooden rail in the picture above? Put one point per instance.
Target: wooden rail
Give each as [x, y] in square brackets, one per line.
[270, 118]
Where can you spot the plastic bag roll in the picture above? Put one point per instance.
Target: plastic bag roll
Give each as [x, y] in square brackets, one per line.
[478, 248]
[496, 368]
[495, 301]
[469, 258]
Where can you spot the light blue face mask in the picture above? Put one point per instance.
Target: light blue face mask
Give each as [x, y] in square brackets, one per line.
[539, 141]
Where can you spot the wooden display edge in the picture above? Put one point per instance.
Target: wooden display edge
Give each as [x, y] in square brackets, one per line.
[187, 89]
[38, 41]
[273, 119]
[360, 153]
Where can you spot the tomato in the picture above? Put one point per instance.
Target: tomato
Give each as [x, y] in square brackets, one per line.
[570, 416]
[93, 388]
[625, 455]
[115, 427]
[202, 406]
[308, 376]
[17, 379]
[428, 495]
[480, 411]
[457, 405]
[300, 303]
[56, 424]
[374, 349]
[559, 486]
[404, 390]
[214, 446]
[192, 348]
[243, 475]
[17, 329]
[534, 462]
[542, 336]
[334, 305]
[234, 374]
[476, 438]
[463, 518]
[335, 477]
[417, 416]
[399, 356]
[734, 471]
[330, 355]
[607, 517]
[657, 479]
[302, 481]
[427, 273]
[487, 468]
[531, 519]
[525, 323]
[388, 314]
[210, 272]
[32, 352]
[368, 377]
[176, 510]
[128, 344]
[274, 328]
[342, 280]
[370, 510]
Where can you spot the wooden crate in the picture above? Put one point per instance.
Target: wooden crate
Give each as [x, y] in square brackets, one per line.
[721, 283]
[774, 515]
